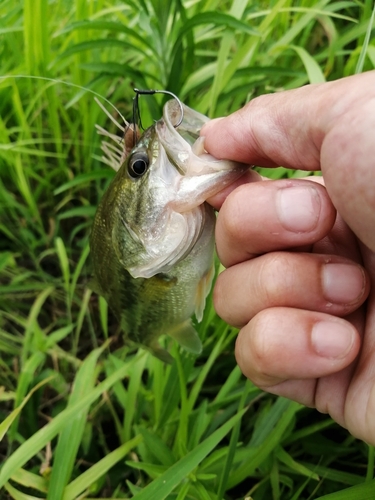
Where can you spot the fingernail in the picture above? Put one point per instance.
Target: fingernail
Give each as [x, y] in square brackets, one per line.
[332, 339]
[298, 208]
[343, 283]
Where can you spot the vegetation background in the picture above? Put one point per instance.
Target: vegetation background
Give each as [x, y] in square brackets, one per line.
[82, 415]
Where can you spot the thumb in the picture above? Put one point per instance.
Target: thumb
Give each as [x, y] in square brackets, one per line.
[269, 131]
[327, 126]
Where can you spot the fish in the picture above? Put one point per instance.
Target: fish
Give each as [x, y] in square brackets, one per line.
[152, 239]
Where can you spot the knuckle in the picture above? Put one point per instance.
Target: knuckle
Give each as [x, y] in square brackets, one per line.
[231, 216]
[222, 300]
[275, 278]
[257, 350]
[263, 350]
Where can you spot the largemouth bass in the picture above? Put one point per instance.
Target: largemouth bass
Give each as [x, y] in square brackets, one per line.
[152, 241]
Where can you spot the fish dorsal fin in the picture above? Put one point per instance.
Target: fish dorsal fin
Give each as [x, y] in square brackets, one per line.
[186, 335]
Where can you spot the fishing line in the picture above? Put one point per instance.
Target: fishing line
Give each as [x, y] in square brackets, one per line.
[54, 80]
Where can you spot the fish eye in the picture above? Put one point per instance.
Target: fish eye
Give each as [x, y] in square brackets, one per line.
[138, 164]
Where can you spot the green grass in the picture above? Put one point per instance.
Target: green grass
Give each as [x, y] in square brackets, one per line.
[82, 415]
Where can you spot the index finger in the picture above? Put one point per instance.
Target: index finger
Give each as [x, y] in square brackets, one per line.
[262, 217]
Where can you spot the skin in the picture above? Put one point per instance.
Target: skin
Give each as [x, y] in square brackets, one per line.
[300, 257]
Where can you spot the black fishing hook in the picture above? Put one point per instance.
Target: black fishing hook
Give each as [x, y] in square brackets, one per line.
[136, 113]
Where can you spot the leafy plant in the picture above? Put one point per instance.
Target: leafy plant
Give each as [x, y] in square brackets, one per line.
[82, 415]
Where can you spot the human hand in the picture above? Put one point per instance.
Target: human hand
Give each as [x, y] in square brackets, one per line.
[298, 277]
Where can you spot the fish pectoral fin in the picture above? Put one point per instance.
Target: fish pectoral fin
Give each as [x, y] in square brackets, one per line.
[203, 289]
[186, 335]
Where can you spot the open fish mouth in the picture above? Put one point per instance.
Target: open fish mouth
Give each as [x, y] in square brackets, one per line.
[184, 145]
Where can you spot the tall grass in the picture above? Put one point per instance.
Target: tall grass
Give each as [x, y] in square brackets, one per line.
[82, 415]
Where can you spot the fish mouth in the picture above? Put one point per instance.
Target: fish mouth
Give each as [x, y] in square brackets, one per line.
[178, 142]
[184, 146]
[196, 175]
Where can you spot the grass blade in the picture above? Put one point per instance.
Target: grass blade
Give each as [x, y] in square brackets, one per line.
[5, 424]
[232, 447]
[19, 495]
[362, 55]
[49, 431]
[161, 487]
[265, 443]
[71, 436]
[92, 474]
[314, 73]
[30, 480]
[363, 491]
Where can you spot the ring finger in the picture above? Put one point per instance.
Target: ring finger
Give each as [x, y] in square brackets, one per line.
[325, 283]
